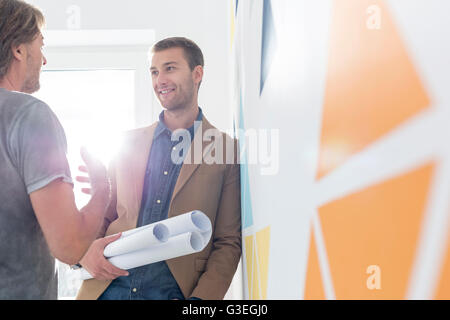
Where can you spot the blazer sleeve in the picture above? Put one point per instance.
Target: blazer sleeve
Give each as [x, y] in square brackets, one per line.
[225, 255]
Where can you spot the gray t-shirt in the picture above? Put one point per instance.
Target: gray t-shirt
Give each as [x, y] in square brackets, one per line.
[32, 154]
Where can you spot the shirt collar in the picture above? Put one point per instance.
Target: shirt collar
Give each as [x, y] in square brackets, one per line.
[161, 127]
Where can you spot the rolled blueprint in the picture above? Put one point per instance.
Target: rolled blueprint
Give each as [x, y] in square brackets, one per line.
[180, 245]
[194, 221]
[154, 233]
[171, 238]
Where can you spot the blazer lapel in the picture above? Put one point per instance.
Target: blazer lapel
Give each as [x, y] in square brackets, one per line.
[194, 157]
[130, 174]
[142, 146]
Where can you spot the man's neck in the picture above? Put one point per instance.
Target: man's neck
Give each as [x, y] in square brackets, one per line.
[180, 119]
[9, 83]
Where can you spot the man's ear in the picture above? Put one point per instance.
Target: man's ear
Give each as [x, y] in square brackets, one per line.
[19, 52]
[198, 74]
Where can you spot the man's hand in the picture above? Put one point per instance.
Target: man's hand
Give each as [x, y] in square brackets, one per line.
[97, 265]
[98, 176]
[84, 179]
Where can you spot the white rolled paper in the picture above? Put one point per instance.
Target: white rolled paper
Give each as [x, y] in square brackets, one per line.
[155, 233]
[171, 238]
[194, 221]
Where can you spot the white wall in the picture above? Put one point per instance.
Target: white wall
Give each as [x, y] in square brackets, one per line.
[337, 73]
[205, 22]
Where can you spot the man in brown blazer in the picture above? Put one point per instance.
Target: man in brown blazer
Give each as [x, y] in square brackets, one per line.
[157, 177]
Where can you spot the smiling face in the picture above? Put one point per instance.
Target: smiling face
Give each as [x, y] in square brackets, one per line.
[34, 61]
[174, 83]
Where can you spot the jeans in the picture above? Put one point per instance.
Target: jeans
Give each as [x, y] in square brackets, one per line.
[150, 282]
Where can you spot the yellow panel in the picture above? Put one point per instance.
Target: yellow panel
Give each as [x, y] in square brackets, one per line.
[313, 286]
[256, 287]
[249, 261]
[262, 244]
[378, 227]
[371, 85]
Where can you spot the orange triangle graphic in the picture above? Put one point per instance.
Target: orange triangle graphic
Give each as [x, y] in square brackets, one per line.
[375, 229]
[371, 85]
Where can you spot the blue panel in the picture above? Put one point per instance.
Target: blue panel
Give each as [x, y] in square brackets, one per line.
[246, 201]
[269, 43]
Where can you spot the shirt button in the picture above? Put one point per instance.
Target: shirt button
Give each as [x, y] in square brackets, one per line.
[174, 148]
[158, 201]
[166, 173]
[134, 289]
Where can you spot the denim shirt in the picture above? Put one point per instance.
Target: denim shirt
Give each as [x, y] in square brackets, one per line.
[153, 281]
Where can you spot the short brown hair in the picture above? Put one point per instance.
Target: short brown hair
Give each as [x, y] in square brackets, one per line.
[20, 23]
[192, 52]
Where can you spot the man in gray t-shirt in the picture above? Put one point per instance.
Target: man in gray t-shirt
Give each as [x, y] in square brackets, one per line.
[38, 216]
[32, 154]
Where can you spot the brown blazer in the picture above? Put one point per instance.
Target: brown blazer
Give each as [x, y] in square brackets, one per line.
[211, 188]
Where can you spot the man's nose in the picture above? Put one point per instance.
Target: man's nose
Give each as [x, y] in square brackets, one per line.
[161, 79]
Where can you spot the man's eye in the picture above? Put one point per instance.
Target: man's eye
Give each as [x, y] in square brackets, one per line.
[154, 73]
[170, 68]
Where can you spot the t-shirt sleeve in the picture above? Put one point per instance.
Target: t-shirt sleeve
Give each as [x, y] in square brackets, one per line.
[38, 147]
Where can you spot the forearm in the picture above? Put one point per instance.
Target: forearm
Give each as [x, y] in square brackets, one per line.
[68, 231]
[92, 218]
